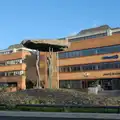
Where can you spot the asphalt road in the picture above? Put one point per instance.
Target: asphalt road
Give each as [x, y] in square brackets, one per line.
[22, 115]
[35, 118]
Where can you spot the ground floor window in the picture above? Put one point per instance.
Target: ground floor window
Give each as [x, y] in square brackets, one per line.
[106, 84]
[110, 84]
[73, 84]
[8, 84]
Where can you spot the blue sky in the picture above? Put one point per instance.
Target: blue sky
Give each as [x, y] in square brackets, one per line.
[33, 19]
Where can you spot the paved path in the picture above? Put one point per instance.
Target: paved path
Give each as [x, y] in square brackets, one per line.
[22, 115]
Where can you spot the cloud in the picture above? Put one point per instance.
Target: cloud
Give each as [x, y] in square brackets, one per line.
[95, 23]
[72, 34]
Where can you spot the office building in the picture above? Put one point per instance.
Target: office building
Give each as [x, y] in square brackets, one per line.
[94, 56]
[18, 68]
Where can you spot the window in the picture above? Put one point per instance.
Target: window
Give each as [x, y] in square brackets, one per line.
[73, 68]
[90, 67]
[12, 62]
[88, 52]
[12, 73]
[88, 37]
[74, 84]
[77, 53]
[72, 54]
[76, 39]
[2, 63]
[116, 32]
[18, 73]
[6, 52]
[2, 74]
[92, 51]
[60, 69]
[109, 49]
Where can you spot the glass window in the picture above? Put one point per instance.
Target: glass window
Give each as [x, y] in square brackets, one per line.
[2, 63]
[103, 50]
[88, 52]
[116, 32]
[72, 54]
[89, 67]
[69, 54]
[61, 84]
[2, 74]
[109, 49]
[76, 84]
[75, 68]
[78, 53]
[116, 48]
[100, 66]
[94, 36]
[117, 65]
[60, 55]
[66, 55]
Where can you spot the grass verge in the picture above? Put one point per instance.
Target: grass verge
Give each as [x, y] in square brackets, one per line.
[54, 109]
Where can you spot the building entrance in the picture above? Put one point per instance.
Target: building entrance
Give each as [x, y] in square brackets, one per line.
[106, 84]
[110, 84]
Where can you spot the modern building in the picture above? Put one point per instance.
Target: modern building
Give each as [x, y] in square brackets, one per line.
[94, 56]
[18, 67]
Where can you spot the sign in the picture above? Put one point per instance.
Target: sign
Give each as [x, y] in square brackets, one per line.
[110, 74]
[110, 57]
[86, 74]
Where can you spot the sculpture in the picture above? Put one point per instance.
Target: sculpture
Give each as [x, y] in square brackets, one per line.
[49, 46]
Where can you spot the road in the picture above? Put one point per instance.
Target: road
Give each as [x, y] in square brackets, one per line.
[29, 118]
[19, 115]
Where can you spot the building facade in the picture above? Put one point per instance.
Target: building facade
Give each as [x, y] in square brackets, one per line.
[18, 68]
[94, 56]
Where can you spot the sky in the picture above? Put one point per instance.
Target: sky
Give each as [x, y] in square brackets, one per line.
[50, 19]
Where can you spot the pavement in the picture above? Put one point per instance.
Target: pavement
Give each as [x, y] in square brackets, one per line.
[22, 115]
[113, 93]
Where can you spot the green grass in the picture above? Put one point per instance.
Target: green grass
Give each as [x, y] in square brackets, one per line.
[54, 109]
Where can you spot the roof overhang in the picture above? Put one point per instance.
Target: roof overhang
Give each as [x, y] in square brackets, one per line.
[45, 45]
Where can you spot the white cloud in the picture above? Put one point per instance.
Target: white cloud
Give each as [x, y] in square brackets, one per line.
[72, 34]
[95, 23]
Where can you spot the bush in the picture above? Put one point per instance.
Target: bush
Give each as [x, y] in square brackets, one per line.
[55, 96]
